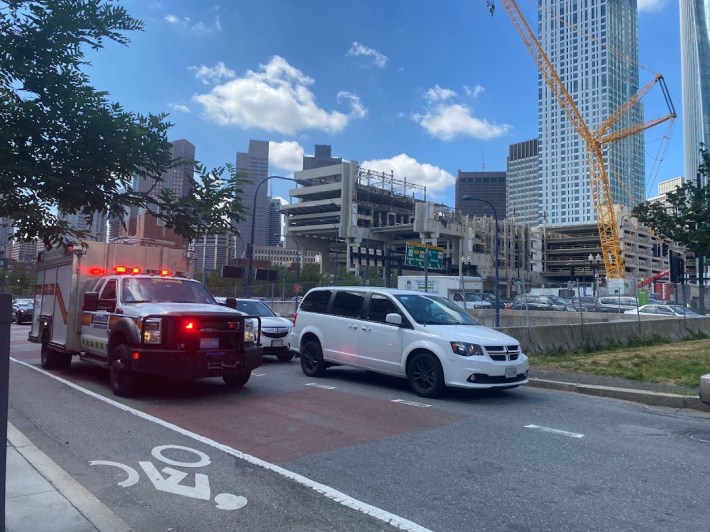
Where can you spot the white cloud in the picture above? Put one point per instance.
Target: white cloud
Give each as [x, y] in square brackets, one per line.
[473, 92]
[215, 74]
[433, 177]
[446, 121]
[438, 94]
[186, 23]
[179, 107]
[651, 5]
[276, 98]
[287, 155]
[358, 50]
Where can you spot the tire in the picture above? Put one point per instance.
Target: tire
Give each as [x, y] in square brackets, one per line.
[124, 381]
[425, 376]
[286, 357]
[236, 380]
[51, 358]
[312, 362]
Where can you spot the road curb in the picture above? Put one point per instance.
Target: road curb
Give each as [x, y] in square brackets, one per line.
[639, 396]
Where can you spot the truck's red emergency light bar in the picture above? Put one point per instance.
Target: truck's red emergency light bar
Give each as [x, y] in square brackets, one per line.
[135, 270]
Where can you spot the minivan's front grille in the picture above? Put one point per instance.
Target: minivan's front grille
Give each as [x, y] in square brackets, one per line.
[503, 353]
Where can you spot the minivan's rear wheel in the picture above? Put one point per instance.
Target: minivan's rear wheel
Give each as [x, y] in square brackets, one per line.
[425, 376]
[312, 362]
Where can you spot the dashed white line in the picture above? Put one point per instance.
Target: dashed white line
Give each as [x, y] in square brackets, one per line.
[555, 431]
[321, 386]
[410, 403]
[327, 491]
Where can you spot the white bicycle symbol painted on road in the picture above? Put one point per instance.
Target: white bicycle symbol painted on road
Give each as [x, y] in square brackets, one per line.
[172, 481]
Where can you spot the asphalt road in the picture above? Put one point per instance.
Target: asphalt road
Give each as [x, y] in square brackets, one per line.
[357, 451]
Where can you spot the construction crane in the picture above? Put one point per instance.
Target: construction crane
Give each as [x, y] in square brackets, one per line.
[593, 140]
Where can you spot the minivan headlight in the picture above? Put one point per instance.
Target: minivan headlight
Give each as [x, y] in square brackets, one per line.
[466, 350]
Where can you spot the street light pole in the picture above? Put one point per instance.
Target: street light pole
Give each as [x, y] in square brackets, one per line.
[594, 263]
[298, 255]
[495, 216]
[250, 247]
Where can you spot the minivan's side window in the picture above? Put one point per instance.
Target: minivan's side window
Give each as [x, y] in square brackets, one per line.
[316, 301]
[348, 304]
[379, 307]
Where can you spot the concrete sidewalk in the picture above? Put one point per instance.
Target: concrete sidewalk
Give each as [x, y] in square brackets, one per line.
[41, 497]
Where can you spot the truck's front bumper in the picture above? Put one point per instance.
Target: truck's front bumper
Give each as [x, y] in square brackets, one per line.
[195, 364]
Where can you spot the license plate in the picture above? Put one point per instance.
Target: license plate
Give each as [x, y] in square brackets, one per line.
[209, 343]
[510, 373]
[277, 343]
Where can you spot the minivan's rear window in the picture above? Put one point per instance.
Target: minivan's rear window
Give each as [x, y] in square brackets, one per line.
[316, 301]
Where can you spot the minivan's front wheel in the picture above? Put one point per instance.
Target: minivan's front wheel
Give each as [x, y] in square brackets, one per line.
[425, 376]
[312, 362]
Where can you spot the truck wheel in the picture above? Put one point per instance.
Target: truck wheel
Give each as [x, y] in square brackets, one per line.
[236, 380]
[285, 357]
[48, 356]
[425, 376]
[312, 362]
[123, 379]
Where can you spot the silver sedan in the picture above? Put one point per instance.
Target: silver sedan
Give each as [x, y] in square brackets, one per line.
[705, 388]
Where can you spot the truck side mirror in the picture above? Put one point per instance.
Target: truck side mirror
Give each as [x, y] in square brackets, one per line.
[231, 302]
[91, 302]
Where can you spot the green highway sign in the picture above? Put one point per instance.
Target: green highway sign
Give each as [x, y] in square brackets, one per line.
[417, 252]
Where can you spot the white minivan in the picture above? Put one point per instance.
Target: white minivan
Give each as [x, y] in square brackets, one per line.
[425, 338]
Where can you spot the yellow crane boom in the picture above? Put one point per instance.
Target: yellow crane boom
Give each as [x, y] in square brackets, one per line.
[598, 176]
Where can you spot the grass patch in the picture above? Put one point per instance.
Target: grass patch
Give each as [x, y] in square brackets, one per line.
[657, 361]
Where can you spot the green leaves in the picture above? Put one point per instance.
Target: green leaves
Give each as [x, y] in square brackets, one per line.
[64, 148]
[685, 216]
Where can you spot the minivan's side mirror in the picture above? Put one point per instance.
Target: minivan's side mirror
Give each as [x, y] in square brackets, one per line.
[393, 318]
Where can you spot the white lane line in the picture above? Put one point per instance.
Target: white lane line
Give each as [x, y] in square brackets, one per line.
[257, 374]
[331, 493]
[555, 431]
[321, 386]
[410, 403]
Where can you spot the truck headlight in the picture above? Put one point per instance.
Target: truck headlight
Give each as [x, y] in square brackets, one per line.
[250, 330]
[152, 331]
[466, 350]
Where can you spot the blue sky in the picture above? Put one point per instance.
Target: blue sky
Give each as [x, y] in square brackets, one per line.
[421, 88]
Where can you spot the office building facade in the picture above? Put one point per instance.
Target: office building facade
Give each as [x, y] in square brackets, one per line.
[695, 75]
[600, 74]
[522, 183]
[487, 186]
[254, 166]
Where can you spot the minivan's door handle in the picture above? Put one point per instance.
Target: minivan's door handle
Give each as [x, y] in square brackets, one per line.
[353, 326]
[366, 328]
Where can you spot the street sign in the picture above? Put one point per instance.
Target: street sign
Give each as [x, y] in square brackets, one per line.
[296, 288]
[416, 253]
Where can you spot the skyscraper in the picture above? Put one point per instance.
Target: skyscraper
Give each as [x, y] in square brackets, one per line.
[522, 182]
[593, 46]
[254, 164]
[273, 238]
[695, 73]
[488, 186]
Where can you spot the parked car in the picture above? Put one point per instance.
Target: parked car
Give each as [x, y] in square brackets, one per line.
[615, 304]
[425, 338]
[661, 309]
[491, 298]
[537, 302]
[23, 311]
[583, 304]
[705, 388]
[275, 330]
[471, 300]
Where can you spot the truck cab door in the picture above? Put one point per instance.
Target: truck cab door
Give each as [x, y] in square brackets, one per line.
[95, 324]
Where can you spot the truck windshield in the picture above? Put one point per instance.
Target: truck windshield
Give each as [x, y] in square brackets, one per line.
[162, 289]
[434, 310]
